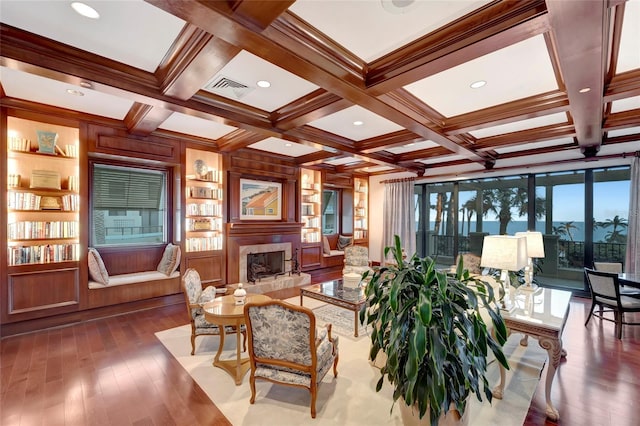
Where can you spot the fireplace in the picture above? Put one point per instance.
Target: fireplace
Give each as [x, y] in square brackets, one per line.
[265, 264]
[256, 249]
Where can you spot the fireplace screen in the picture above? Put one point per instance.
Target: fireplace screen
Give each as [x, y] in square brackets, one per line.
[267, 264]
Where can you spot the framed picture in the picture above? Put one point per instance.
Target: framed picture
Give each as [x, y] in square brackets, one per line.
[47, 142]
[260, 200]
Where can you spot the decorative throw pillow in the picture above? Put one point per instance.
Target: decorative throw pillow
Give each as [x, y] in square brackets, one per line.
[326, 248]
[207, 295]
[170, 260]
[97, 270]
[344, 241]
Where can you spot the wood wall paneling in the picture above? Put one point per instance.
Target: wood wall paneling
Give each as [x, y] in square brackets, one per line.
[121, 260]
[311, 256]
[33, 294]
[119, 143]
[210, 267]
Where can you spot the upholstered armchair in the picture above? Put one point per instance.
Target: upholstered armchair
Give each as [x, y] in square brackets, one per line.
[286, 348]
[195, 297]
[356, 260]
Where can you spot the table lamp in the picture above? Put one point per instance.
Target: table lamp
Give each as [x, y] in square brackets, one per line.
[535, 248]
[507, 253]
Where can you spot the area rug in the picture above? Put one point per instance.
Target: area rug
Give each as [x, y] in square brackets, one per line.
[349, 399]
[341, 319]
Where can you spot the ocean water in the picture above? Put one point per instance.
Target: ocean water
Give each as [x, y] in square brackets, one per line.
[493, 227]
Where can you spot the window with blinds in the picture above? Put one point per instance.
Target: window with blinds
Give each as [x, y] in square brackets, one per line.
[129, 205]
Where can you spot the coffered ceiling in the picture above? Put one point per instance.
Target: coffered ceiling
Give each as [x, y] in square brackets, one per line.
[372, 86]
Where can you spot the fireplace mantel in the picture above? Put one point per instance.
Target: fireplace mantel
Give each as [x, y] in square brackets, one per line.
[241, 234]
[238, 229]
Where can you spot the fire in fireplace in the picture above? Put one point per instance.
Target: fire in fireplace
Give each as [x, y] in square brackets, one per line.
[265, 264]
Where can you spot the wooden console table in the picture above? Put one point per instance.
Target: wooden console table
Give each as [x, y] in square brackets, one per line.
[542, 315]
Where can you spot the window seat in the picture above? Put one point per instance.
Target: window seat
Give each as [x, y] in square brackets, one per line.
[133, 278]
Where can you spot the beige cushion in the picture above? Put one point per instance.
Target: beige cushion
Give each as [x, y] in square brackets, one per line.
[326, 248]
[170, 260]
[97, 270]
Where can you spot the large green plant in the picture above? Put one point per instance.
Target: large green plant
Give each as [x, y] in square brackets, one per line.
[430, 327]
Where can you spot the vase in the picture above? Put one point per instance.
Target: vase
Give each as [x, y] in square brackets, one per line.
[411, 416]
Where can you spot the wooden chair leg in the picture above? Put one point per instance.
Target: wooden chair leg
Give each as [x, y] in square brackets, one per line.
[618, 319]
[314, 391]
[252, 384]
[193, 343]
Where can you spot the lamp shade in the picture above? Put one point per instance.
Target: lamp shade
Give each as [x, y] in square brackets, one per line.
[535, 245]
[504, 252]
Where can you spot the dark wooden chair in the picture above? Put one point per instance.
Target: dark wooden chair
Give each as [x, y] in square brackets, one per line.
[606, 294]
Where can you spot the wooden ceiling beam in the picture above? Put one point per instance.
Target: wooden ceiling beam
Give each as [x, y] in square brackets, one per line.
[143, 119]
[581, 34]
[526, 136]
[276, 45]
[313, 106]
[238, 139]
[495, 26]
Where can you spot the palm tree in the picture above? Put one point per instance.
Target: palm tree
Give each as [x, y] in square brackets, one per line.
[615, 235]
[507, 200]
[567, 227]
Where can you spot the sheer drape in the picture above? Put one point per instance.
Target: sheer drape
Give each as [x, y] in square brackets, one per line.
[399, 215]
[632, 262]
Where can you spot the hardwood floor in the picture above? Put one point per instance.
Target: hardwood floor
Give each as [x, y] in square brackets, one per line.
[115, 372]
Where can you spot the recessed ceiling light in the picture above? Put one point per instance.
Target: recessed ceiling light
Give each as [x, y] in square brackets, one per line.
[85, 10]
[477, 84]
[409, 144]
[75, 92]
[263, 83]
[86, 85]
[358, 123]
[287, 144]
[585, 90]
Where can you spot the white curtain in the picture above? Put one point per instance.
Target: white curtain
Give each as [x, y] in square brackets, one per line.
[399, 215]
[632, 262]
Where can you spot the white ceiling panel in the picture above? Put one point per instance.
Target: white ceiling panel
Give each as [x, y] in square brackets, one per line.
[625, 104]
[623, 132]
[33, 88]
[531, 123]
[190, 125]
[629, 57]
[247, 69]
[341, 123]
[534, 145]
[515, 72]
[342, 161]
[375, 169]
[283, 147]
[132, 32]
[533, 160]
[412, 147]
[372, 28]
[442, 158]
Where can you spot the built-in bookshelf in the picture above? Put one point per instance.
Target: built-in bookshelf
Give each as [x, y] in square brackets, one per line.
[42, 192]
[204, 201]
[361, 209]
[310, 205]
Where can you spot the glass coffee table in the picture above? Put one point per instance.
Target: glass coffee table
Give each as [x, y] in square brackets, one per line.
[333, 293]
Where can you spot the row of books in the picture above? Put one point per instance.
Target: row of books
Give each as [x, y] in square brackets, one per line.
[359, 234]
[203, 244]
[310, 236]
[204, 192]
[37, 230]
[31, 201]
[203, 209]
[204, 224]
[43, 253]
[311, 222]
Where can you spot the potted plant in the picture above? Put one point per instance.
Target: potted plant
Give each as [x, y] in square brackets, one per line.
[429, 326]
